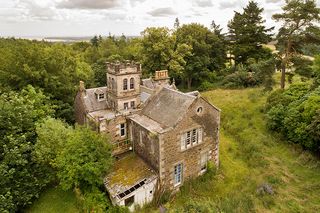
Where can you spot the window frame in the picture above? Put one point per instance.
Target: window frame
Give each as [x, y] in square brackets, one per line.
[103, 98]
[191, 138]
[132, 104]
[131, 83]
[204, 159]
[125, 84]
[178, 174]
[123, 128]
[126, 105]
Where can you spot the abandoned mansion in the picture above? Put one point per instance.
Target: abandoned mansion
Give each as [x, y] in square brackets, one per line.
[161, 136]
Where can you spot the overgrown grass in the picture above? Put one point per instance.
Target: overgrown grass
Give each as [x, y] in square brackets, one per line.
[251, 156]
[54, 200]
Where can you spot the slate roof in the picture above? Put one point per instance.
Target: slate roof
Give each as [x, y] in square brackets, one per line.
[90, 101]
[168, 106]
[147, 123]
[148, 82]
[144, 96]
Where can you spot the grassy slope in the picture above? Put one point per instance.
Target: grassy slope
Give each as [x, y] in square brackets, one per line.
[54, 200]
[250, 156]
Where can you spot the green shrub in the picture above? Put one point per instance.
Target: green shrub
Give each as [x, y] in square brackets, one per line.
[295, 113]
[206, 85]
[239, 79]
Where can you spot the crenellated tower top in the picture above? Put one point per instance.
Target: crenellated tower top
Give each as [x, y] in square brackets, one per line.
[120, 68]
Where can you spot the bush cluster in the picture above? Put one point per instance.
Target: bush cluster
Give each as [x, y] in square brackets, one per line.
[295, 113]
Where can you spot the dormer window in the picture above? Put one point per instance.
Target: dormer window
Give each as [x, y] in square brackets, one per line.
[101, 96]
[125, 84]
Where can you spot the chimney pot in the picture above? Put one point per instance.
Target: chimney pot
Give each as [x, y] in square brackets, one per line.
[81, 86]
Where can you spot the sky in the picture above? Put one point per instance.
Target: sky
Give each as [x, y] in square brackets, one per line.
[42, 18]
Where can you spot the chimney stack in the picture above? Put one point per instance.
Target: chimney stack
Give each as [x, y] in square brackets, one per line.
[81, 86]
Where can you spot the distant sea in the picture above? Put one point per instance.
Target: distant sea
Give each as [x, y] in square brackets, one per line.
[56, 39]
[68, 39]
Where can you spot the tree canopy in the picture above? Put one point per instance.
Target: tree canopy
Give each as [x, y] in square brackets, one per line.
[298, 18]
[247, 34]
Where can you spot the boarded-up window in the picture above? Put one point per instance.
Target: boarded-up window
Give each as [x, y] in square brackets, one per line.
[191, 138]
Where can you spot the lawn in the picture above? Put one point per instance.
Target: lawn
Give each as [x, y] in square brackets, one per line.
[251, 156]
[54, 200]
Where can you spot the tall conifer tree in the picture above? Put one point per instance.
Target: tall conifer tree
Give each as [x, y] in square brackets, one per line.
[247, 34]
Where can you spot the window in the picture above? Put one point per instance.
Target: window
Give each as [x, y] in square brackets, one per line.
[191, 138]
[125, 84]
[188, 140]
[129, 201]
[199, 110]
[132, 104]
[131, 83]
[126, 105]
[123, 130]
[177, 174]
[194, 136]
[101, 96]
[204, 161]
[113, 84]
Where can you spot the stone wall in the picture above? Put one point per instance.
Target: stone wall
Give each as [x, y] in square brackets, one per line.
[145, 144]
[171, 153]
[112, 128]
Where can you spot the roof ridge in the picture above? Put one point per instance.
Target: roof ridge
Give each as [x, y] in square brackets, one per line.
[181, 93]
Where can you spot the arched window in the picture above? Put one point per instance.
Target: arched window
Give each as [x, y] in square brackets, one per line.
[131, 83]
[125, 84]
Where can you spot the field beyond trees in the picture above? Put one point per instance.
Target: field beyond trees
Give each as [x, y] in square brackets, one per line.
[251, 158]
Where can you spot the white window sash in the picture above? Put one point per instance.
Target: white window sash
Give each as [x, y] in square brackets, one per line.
[178, 169]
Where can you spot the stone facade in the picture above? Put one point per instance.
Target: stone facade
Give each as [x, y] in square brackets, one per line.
[209, 121]
[145, 144]
[176, 134]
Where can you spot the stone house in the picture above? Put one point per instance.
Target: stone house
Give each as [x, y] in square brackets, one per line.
[161, 136]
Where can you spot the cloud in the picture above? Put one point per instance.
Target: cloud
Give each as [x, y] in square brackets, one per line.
[162, 12]
[33, 10]
[134, 2]
[203, 3]
[88, 4]
[227, 4]
[273, 1]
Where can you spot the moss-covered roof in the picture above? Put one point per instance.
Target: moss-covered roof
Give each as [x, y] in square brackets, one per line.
[127, 171]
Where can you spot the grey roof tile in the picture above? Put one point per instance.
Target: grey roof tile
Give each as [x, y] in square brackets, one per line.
[168, 106]
[90, 101]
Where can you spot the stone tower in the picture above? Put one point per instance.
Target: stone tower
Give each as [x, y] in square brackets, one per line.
[123, 81]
